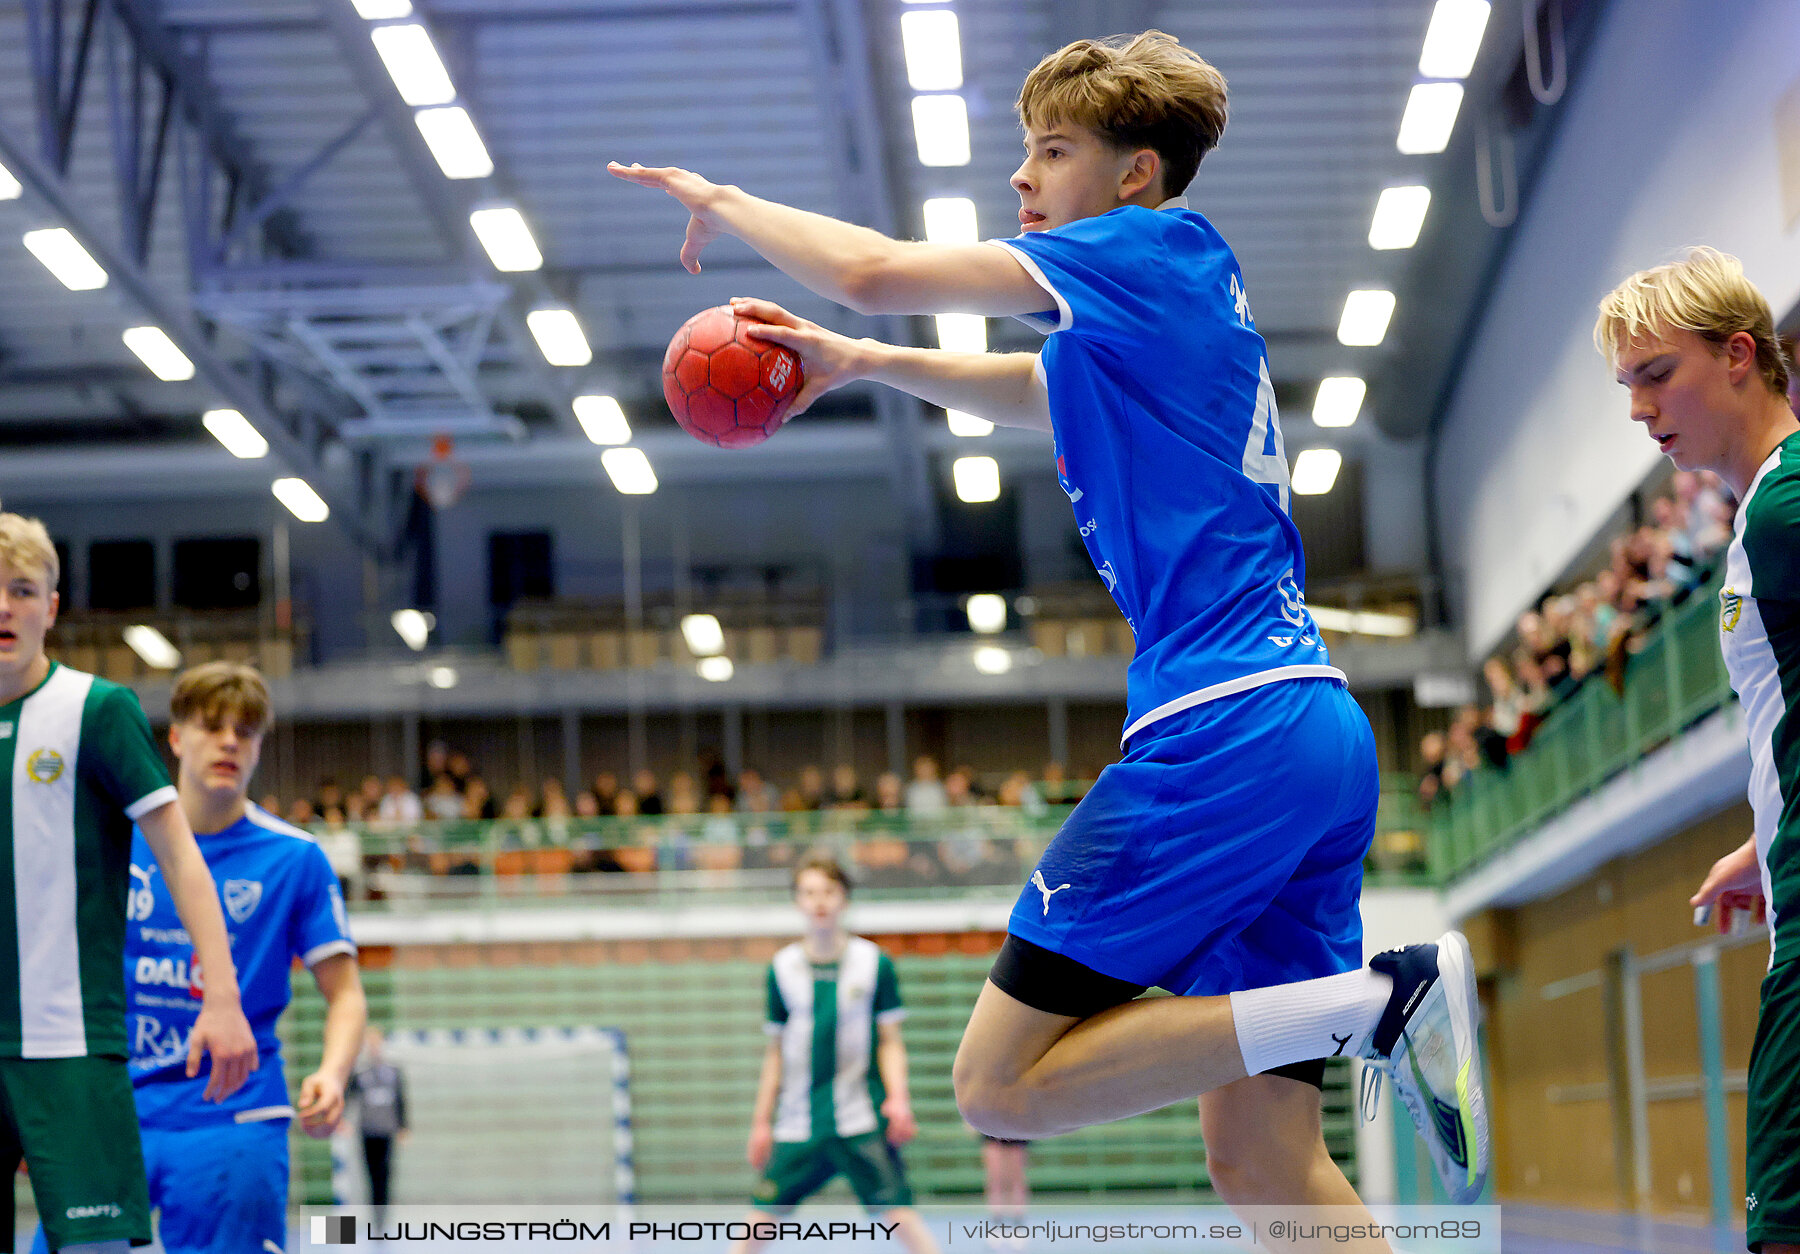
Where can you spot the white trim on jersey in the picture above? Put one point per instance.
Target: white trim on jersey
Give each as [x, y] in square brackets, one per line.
[150, 802]
[262, 1114]
[269, 823]
[1230, 688]
[1065, 317]
[51, 1024]
[318, 953]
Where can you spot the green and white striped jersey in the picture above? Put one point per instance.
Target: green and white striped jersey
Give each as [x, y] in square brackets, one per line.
[84, 767]
[1759, 631]
[824, 1015]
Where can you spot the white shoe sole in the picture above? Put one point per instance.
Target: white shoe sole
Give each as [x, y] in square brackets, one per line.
[1456, 968]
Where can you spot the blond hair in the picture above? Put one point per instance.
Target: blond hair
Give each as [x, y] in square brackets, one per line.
[1136, 91]
[213, 691]
[25, 546]
[1705, 292]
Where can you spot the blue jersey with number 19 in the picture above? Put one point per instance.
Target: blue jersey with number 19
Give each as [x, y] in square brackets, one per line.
[1169, 448]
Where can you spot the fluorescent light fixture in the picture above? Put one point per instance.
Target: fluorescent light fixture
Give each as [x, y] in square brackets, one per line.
[629, 470]
[703, 634]
[716, 669]
[992, 660]
[1362, 622]
[967, 425]
[1429, 118]
[380, 10]
[442, 677]
[602, 419]
[1453, 38]
[156, 350]
[414, 627]
[962, 333]
[977, 479]
[302, 502]
[63, 256]
[1315, 470]
[9, 186]
[559, 337]
[451, 135]
[505, 235]
[1339, 401]
[154, 647]
[941, 128]
[413, 63]
[933, 49]
[951, 220]
[987, 613]
[234, 431]
[1399, 216]
[1366, 315]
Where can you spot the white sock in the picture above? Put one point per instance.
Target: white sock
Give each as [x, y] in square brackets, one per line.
[1324, 1018]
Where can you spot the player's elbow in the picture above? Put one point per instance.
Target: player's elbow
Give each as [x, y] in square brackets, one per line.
[869, 287]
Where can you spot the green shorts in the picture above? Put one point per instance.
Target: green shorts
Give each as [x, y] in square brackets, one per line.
[1772, 1208]
[798, 1169]
[75, 1124]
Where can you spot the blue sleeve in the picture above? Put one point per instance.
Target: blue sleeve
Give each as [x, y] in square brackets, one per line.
[318, 926]
[1109, 276]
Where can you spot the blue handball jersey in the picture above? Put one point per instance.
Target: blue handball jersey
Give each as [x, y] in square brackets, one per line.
[281, 902]
[1169, 448]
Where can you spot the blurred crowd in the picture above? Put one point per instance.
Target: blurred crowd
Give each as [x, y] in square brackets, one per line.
[1590, 631]
[709, 818]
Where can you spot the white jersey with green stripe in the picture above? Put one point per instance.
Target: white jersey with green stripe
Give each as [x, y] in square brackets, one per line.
[83, 767]
[1759, 631]
[824, 1016]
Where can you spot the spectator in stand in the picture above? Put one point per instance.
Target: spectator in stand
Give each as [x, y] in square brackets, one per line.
[458, 767]
[925, 794]
[890, 793]
[442, 803]
[477, 800]
[684, 793]
[625, 804]
[649, 800]
[587, 805]
[811, 788]
[437, 762]
[328, 796]
[1431, 779]
[606, 791]
[1534, 697]
[754, 795]
[555, 803]
[369, 795]
[846, 791]
[1018, 790]
[1057, 788]
[1462, 752]
[1507, 713]
[301, 812]
[343, 849]
[399, 804]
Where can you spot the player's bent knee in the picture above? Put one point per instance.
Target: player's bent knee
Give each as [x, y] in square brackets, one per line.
[991, 1108]
[1248, 1169]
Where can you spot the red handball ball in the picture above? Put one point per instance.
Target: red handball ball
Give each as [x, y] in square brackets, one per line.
[723, 385]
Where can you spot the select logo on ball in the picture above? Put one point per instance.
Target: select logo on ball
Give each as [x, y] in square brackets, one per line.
[725, 386]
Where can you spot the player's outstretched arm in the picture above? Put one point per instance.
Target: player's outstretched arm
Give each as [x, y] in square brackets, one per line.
[221, 1029]
[321, 1102]
[849, 264]
[890, 1060]
[1001, 387]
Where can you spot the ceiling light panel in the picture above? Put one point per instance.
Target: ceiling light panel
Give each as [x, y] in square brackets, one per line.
[413, 63]
[1339, 401]
[1454, 38]
[1429, 119]
[455, 143]
[1399, 217]
[941, 129]
[1367, 313]
[507, 239]
[1315, 470]
[933, 48]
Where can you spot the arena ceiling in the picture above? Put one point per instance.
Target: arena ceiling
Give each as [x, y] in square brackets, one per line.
[250, 179]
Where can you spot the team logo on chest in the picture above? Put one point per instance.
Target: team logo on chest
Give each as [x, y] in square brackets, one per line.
[1731, 608]
[241, 898]
[44, 766]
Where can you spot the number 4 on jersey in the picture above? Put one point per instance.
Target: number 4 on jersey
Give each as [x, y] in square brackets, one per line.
[1265, 459]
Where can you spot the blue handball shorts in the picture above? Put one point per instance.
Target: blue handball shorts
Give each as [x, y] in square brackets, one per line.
[1223, 853]
[222, 1187]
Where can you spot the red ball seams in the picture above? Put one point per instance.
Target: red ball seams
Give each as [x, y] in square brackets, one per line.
[723, 385]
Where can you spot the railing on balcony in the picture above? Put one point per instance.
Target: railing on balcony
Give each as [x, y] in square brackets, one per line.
[1675, 679]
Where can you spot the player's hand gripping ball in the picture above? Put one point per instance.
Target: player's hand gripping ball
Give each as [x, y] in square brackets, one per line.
[723, 385]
